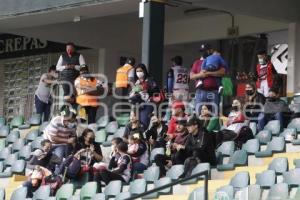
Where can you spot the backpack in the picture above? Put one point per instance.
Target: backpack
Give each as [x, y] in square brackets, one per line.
[189, 164]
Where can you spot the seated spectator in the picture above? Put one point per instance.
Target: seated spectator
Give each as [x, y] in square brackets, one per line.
[174, 152]
[119, 167]
[44, 157]
[35, 179]
[134, 126]
[274, 109]
[61, 131]
[210, 122]
[254, 102]
[137, 149]
[178, 113]
[156, 135]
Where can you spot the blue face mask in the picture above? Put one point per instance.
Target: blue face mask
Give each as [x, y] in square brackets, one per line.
[71, 125]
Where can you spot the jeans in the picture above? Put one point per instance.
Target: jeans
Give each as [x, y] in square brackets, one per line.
[62, 150]
[139, 167]
[204, 97]
[42, 108]
[263, 119]
[144, 114]
[91, 113]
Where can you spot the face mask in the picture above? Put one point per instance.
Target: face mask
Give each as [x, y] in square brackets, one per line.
[140, 74]
[261, 61]
[249, 92]
[155, 124]
[235, 108]
[91, 140]
[71, 125]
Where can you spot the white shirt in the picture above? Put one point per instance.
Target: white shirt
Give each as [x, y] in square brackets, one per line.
[60, 67]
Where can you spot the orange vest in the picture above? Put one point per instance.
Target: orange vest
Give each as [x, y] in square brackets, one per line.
[85, 99]
[122, 76]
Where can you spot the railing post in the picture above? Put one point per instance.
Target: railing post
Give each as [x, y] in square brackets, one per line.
[206, 186]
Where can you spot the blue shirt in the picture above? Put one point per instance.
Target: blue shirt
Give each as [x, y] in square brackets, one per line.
[214, 62]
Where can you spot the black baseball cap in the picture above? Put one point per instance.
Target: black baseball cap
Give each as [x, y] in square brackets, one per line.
[181, 122]
[193, 121]
[177, 59]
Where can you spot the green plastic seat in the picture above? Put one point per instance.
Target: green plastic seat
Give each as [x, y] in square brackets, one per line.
[4, 153]
[266, 179]
[99, 196]
[108, 140]
[35, 120]
[155, 152]
[297, 163]
[19, 167]
[19, 194]
[252, 192]
[74, 197]
[201, 167]
[279, 165]
[123, 119]
[42, 193]
[239, 158]
[226, 148]
[292, 177]
[120, 132]
[137, 186]
[43, 126]
[32, 135]
[111, 127]
[18, 144]
[2, 194]
[24, 126]
[1, 166]
[25, 152]
[175, 172]
[88, 190]
[277, 145]
[295, 123]
[151, 174]
[123, 196]
[17, 121]
[273, 126]
[113, 188]
[161, 182]
[36, 143]
[289, 134]
[100, 136]
[253, 127]
[11, 159]
[297, 195]
[65, 192]
[264, 136]
[12, 137]
[103, 121]
[278, 191]
[240, 180]
[197, 194]
[2, 121]
[2, 143]
[6, 173]
[4, 131]
[251, 146]
[227, 191]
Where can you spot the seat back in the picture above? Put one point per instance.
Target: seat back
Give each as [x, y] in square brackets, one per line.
[113, 188]
[240, 180]
[239, 158]
[279, 165]
[264, 136]
[19, 194]
[266, 179]
[138, 186]
[279, 191]
[42, 193]
[251, 146]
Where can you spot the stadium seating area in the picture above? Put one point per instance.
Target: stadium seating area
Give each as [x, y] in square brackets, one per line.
[266, 167]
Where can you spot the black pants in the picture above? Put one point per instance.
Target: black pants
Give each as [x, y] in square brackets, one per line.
[108, 176]
[91, 112]
[30, 188]
[68, 75]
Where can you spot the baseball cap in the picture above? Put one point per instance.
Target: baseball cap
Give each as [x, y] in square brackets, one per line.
[181, 122]
[193, 121]
[178, 104]
[177, 59]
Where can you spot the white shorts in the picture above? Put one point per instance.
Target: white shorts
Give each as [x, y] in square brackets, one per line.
[264, 88]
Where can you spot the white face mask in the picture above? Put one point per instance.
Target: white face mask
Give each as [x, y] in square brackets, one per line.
[261, 61]
[140, 74]
[71, 125]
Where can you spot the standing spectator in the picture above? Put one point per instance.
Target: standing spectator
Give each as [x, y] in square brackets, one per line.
[208, 81]
[157, 134]
[265, 72]
[178, 80]
[88, 88]
[68, 66]
[134, 126]
[125, 77]
[274, 109]
[42, 96]
[196, 67]
[178, 113]
[254, 102]
[61, 131]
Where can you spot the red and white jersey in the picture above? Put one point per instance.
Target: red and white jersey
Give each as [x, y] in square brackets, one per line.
[181, 78]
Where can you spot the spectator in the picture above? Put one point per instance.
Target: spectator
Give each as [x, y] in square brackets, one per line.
[178, 80]
[119, 167]
[68, 66]
[265, 72]
[274, 109]
[210, 122]
[133, 126]
[44, 157]
[178, 113]
[254, 102]
[141, 92]
[157, 134]
[125, 77]
[208, 82]
[137, 149]
[61, 131]
[88, 88]
[42, 96]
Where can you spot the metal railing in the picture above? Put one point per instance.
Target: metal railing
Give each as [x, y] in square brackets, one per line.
[204, 173]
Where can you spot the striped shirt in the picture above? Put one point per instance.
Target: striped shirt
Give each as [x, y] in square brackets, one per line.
[56, 128]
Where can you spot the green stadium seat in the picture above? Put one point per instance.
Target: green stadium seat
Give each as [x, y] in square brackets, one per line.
[295, 123]
[123, 119]
[279, 165]
[99, 196]
[292, 177]
[2, 121]
[240, 180]
[297, 163]
[1, 167]
[19, 167]
[123, 196]
[32, 135]
[103, 121]
[100, 136]
[111, 127]
[251, 146]
[175, 172]
[36, 143]
[155, 152]
[197, 194]
[297, 195]
[264, 136]
[278, 191]
[88, 190]
[12, 137]
[75, 197]
[25, 152]
[2, 194]
[137, 186]
[201, 167]
[253, 127]
[239, 158]
[11, 159]
[93, 127]
[2, 143]
[35, 120]
[18, 144]
[6, 173]
[226, 148]
[17, 121]
[65, 192]
[277, 145]
[113, 188]
[225, 191]
[43, 126]
[273, 126]
[4, 131]
[43, 193]
[161, 182]
[108, 140]
[289, 134]
[266, 179]
[4, 153]
[24, 126]
[19, 194]
[120, 132]
[151, 174]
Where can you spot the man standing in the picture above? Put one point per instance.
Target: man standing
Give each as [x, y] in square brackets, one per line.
[265, 73]
[68, 66]
[178, 80]
[208, 81]
[42, 94]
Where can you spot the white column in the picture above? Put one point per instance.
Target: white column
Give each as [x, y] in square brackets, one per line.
[293, 69]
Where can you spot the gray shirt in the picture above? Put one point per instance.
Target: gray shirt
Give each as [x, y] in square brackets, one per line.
[43, 90]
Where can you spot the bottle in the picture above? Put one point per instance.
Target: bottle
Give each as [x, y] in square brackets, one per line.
[168, 149]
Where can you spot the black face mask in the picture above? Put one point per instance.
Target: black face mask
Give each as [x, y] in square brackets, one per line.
[235, 108]
[249, 92]
[155, 124]
[272, 99]
[91, 140]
